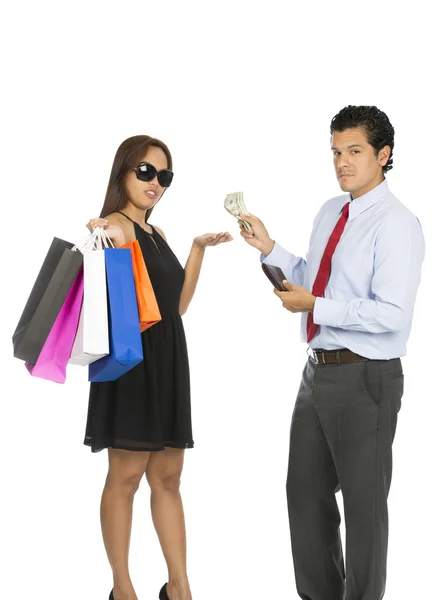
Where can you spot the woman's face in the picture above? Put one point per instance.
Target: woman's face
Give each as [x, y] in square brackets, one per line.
[145, 194]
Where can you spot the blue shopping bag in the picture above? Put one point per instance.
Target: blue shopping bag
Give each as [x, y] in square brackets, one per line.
[125, 348]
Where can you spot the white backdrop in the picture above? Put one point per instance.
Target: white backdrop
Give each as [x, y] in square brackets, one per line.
[243, 94]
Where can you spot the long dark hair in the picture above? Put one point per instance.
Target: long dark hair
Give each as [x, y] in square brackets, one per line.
[377, 126]
[127, 157]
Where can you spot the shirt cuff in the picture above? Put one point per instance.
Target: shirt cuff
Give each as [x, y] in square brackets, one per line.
[327, 312]
[277, 256]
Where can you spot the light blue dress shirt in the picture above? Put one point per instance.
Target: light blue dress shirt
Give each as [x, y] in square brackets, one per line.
[376, 269]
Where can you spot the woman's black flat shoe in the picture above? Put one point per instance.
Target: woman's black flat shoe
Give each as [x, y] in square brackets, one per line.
[163, 593]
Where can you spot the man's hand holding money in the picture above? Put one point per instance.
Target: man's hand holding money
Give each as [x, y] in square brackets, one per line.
[259, 237]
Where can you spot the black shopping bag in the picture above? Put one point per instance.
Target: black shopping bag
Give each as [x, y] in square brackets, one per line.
[50, 290]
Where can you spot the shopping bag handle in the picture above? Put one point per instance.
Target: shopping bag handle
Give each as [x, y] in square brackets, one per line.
[87, 241]
[97, 240]
[104, 240]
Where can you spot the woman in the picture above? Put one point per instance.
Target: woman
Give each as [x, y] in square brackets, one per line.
[144, 417]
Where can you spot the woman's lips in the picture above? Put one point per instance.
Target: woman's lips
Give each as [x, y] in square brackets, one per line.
[151, 194]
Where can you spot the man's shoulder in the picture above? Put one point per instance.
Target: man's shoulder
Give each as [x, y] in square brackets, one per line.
[396, 211]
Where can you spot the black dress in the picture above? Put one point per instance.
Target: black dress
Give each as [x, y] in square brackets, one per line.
[148, 408]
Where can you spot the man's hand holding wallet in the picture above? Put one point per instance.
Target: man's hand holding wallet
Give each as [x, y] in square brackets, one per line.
[296, 298]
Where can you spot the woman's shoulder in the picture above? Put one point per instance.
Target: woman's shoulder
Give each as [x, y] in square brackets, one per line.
[116, 218]
[123, 223]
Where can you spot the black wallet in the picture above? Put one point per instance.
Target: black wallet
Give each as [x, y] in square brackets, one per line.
[275, 275]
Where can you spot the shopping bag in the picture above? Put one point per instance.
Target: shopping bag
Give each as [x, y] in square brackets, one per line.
[92, 339]
[52, 361]
[147, 303]
[55, 279]
[125, 346]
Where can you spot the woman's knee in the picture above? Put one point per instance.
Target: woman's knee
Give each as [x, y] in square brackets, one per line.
[126, 471]
[124, 483]
[164, 470]
[167, 481]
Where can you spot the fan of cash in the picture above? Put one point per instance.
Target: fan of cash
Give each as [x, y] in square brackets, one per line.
[234, 204]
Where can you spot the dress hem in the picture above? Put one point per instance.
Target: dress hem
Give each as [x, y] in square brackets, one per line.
[95, 450]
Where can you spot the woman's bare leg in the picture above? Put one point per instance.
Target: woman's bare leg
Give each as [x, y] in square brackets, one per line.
[163, 475]
[126, 468]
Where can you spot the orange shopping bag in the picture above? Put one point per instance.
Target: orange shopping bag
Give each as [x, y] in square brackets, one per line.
[147, 303]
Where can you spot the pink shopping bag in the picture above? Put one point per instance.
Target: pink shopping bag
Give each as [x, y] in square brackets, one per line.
[52, 361]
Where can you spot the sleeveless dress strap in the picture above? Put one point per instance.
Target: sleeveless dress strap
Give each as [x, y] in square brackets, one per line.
[135, 223]
[124, 215]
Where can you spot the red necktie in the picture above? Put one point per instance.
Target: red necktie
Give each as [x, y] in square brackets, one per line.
[325, 268]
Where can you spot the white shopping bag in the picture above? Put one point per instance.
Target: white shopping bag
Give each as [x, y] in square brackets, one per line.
[92, 339]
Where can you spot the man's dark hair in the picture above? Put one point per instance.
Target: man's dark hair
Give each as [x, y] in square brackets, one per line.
[374, 122]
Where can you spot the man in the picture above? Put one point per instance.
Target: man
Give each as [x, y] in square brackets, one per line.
[356, 292]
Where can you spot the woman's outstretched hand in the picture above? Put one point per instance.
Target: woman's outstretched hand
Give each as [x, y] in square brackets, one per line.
[212, 239]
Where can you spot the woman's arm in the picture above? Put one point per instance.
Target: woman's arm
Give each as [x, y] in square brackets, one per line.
[192, 272]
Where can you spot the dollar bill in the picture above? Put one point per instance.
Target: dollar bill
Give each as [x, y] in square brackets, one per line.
[234, 204]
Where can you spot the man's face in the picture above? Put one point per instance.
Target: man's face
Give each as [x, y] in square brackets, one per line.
[357, 167]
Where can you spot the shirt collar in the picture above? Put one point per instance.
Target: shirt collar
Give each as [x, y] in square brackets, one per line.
[366, 201]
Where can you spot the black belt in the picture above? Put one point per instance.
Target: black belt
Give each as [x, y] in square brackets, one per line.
[335, 357]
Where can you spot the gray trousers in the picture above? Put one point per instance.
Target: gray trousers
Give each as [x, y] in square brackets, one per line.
[342, 431]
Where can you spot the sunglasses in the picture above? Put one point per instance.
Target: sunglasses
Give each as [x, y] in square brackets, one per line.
[146, 172]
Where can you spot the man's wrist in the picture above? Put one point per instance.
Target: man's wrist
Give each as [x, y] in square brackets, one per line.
[268, 247]
[312, 304]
